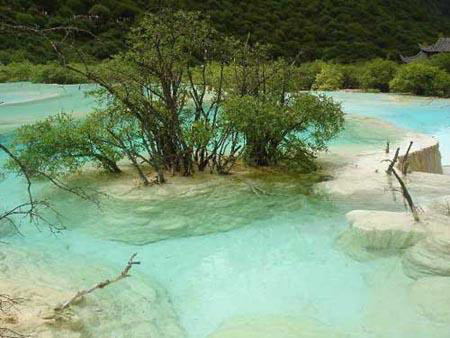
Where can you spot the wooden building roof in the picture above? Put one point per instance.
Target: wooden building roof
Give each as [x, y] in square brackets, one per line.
[442, 45]
[419, 56]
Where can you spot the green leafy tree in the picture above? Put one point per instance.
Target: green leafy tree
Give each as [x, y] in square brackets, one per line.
[101, 11]
[329, 78]
[165, 81]
[421, 79]
[285, 133]
[352, 75]
[341, 31]
[61, 145]
[185, 98]
[307, 73]
[442, 61]
[278, 124]
[377, 74]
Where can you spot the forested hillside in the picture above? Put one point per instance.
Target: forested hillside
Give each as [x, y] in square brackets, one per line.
[341, 30]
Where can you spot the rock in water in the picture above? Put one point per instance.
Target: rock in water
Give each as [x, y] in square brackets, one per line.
[429, 257]
[379, 230]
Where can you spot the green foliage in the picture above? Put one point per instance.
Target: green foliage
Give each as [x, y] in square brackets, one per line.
[307, 73]
[290, 133]
[352, 75]
[46, 73]
[441, 60]
[421, 79]
[168, 56]
[278, 124]
[343, 31]
[329, 78]
[16, 72]
[61, 144]
[55, 73]
[377, 74]
[168, 106]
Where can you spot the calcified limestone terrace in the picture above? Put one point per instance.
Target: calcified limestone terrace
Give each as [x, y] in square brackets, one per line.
[379, 230]
[48, 281]
[431, 296]
[428, 241]
[219, 259]
[430, 256]
[364, 176]
[270, 327]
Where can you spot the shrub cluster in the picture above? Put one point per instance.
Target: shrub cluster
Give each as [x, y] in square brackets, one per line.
[165, 110]
[429, 77]
[421, 79]
[45, 73]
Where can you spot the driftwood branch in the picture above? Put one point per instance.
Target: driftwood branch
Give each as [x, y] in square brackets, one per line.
[391, 166]
[407, 196]
[101, 285]
[405, 163]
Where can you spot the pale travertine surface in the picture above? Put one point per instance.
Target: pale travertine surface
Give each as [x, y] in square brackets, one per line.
[41, 287]
[431, 295]
[428, 241]
[275, 326]
[364, 176]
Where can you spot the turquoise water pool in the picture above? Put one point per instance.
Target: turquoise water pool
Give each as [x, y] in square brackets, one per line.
[425, 115]
[24, 102]
[225, 256]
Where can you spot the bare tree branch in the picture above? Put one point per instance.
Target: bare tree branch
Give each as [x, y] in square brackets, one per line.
[32, 208]
[101, 285]
[394, 160]
[405, 164]
[407, 196]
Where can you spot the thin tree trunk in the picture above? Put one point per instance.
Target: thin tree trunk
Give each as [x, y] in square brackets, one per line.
[407, 196]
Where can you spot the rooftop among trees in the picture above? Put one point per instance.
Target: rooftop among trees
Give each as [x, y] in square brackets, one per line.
[442, 45]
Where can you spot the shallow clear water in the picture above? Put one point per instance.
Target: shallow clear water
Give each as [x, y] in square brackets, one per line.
[24, 102]
[228, 253]
[421, 114]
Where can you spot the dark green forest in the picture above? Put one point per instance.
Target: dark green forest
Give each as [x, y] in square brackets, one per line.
[339, 30]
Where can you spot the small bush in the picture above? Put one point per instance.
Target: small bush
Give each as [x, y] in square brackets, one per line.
[442, 61]
[329, 78]
[307, 73]
[48, 73]
[14, 72]
[54, 73]
[377, 74]
[352, 76]
[421, 79]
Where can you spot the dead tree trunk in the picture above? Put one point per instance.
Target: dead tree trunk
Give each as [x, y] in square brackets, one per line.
[405, 163]
[407, 196]
[391, 166]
